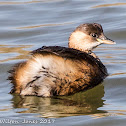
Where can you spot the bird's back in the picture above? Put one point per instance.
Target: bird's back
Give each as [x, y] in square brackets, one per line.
[57, 70]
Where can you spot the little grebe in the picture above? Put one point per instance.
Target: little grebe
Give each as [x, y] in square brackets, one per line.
[56, 70]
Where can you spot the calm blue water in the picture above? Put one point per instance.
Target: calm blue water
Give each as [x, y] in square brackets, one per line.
[29, 24]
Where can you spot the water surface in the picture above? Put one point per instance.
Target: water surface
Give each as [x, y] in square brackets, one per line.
[29, 24]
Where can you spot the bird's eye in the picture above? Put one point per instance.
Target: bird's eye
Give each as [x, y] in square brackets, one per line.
[94, 35]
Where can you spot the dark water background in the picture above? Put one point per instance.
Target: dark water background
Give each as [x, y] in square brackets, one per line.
[28, 24]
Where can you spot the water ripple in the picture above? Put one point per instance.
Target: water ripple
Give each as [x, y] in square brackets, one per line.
[28, 2]
[44, 25]
[109, 5]
[6, 50]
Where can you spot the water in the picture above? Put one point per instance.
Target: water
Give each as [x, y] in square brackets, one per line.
[26, 25]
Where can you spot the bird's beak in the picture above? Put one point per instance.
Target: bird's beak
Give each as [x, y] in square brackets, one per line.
[105, 40]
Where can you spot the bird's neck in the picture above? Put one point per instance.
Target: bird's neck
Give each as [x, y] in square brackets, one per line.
[80, 41]
[76, 42]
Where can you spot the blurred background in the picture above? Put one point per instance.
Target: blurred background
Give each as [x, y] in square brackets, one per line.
[26, 25]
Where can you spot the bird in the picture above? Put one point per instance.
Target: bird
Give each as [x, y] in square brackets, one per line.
[59, 71]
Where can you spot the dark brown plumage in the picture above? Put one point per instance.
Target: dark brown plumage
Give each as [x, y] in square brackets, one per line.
[90, 28]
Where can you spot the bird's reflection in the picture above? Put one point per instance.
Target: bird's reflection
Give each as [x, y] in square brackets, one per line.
[82, 103]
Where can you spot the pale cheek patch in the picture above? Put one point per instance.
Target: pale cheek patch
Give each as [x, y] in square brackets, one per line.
[82, 41]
